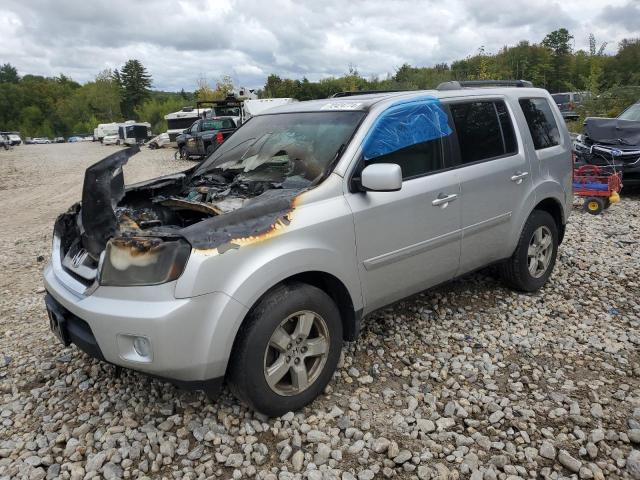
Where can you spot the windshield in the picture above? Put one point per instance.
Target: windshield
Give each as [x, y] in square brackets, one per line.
[631, 113]
[561, 97]
[217, 124]
[296, 144]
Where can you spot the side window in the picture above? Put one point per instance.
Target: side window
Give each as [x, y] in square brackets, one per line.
[541, 122]
[415, 160]
[410, 135]
[508, 135]
[484, 130]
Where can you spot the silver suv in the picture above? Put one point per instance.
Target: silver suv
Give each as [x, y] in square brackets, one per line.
[255, 265]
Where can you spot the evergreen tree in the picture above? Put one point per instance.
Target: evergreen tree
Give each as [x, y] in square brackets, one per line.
[136, 83]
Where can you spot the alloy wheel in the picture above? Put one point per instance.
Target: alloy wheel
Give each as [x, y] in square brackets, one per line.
[540, 251]
[296, 353]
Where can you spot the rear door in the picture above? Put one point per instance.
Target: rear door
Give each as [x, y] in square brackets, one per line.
[409, 240]
[495, 179]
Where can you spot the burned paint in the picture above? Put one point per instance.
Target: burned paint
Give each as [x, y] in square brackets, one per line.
[258, 218]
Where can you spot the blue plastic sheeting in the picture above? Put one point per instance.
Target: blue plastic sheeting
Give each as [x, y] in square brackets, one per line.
[406, 124]
[590, 186]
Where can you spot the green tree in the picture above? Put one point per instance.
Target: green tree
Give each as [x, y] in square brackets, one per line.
[559, 43]
[136, 83]
[9, 74]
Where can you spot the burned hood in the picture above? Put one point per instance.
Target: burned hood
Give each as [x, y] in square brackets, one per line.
[257, 218]
[103, 188]
[613, 131]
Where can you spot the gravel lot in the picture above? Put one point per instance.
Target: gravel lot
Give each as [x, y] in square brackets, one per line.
[467, 381]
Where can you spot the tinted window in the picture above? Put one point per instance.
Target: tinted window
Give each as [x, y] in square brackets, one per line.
[542, 124]
[561, 98]
[508, 135]
[480, 132]
[415, 160]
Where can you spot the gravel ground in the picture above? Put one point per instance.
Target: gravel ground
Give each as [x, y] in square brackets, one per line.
[467, 381]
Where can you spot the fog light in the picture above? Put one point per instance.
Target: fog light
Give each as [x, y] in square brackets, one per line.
[142, 346]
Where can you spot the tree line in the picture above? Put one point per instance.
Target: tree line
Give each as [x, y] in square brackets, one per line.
[45, 106]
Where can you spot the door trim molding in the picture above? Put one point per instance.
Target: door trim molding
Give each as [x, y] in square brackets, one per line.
[410, 250]
[485, 224]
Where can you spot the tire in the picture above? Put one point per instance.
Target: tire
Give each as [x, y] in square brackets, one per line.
[255, 350]
[516, 271]
[594, 205]
[180, 154]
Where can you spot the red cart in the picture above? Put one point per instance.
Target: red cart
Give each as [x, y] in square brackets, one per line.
[599, 185]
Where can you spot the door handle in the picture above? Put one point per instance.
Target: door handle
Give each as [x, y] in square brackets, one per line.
[518, 177]
[443, 200]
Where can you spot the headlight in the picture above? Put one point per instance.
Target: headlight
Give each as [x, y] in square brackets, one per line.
[143, 261]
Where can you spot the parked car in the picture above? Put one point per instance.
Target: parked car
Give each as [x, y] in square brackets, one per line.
[568, 103]
[111, 139]
[204, 136]
[14, 138]
[41, 140]
[258, 262]
[59, 140]
[5, 142]
[612, 142]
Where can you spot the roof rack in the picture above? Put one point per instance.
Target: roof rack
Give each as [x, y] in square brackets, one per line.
[362, 92]
[457, 85]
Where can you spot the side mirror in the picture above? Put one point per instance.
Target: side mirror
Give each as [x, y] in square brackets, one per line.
[381, 177]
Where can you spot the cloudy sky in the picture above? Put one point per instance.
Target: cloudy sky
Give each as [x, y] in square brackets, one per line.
[182, 41]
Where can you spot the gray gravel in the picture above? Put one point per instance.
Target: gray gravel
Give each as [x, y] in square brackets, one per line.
[467, 381]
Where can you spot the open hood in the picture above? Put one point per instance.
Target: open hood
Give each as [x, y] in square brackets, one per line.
[613, 131]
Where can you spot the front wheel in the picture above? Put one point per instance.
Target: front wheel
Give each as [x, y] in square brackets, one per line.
[531, 264]
[287, 350]
[180, 154]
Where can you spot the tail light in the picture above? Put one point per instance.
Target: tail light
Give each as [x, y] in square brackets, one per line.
[219, 138]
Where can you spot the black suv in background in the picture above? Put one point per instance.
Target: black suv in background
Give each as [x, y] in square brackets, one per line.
[204, 136]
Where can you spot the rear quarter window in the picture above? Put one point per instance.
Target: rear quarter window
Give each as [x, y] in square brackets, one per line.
[541, 122]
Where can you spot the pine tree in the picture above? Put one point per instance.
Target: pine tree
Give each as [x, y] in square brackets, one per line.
[135, 86]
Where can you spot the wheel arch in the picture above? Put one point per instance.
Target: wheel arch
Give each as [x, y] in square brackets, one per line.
[554, 208]
[332, 286]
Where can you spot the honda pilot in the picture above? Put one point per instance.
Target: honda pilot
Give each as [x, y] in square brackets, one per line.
[254, 266]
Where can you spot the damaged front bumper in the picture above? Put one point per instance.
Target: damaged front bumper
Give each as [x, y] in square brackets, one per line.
[188, 338]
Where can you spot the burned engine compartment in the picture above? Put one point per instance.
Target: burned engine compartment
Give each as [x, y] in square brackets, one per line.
[220, 209]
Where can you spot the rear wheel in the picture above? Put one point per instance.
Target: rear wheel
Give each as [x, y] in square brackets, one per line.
[594, 205]
[531, 264]
[287, 350]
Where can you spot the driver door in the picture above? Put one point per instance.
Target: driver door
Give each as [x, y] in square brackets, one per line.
[409, 240]
[191, 145]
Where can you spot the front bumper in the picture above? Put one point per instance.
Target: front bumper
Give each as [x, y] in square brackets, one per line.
[190, 337]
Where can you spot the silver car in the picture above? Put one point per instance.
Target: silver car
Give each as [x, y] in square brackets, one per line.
[255, 265]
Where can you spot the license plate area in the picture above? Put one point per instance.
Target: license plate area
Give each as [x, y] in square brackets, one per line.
[57, 321]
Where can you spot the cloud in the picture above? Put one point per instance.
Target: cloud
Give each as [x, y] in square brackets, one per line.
[181, 41]
[626, 16]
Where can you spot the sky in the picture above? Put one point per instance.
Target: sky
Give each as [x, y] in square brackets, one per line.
[181, 42]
